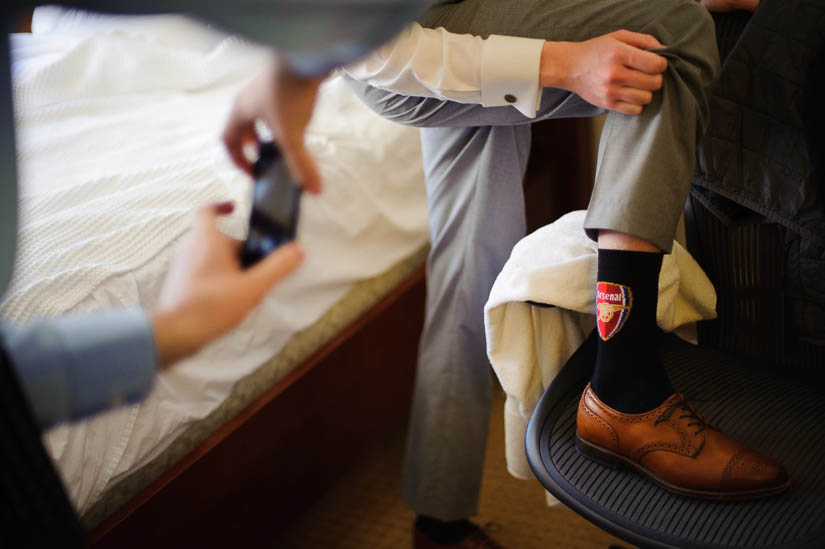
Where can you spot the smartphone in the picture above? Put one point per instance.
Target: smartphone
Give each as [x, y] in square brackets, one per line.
[276, 201]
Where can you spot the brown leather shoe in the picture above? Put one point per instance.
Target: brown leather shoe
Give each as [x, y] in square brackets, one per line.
[677, 448]
[477, 539]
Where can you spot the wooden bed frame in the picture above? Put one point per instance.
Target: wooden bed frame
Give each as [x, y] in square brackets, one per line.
[270, 462]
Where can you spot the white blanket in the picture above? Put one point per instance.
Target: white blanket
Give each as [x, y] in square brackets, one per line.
[528, 345]
[118, 140]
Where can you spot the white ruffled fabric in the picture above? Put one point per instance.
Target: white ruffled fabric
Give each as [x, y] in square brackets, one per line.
[528, 345]
[118, 124]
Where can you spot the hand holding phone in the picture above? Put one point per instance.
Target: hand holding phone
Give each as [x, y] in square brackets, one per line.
[276, 200]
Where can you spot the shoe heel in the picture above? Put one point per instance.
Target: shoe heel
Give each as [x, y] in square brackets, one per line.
[596, 454]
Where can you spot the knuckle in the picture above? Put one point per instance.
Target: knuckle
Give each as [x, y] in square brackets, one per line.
[611, 76]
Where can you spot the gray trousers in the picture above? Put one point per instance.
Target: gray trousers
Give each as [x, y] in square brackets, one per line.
[474, 161]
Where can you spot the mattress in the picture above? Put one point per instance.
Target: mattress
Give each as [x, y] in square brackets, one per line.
[118, 123]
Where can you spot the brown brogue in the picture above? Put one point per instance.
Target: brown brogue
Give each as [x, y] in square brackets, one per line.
[677, 448]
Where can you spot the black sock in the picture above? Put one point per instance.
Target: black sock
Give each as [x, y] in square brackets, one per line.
[629, 376]
[445, 533]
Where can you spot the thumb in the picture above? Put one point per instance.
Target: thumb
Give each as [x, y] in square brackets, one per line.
[236, 136]
[260, 278]
[301, 164]
[208, 214]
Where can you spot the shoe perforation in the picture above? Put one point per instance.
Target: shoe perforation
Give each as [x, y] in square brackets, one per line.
[601, 421]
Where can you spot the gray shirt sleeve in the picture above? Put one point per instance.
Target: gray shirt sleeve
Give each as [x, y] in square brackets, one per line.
[314, 35]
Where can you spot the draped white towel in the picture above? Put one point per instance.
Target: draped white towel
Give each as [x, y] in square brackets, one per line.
[528, 345]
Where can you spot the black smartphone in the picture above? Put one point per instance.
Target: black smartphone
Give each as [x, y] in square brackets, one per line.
[276, 200]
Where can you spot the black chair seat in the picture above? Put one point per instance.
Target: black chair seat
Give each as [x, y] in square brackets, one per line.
[779, 417]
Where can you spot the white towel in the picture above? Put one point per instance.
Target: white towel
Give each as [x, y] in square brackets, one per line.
[528, 345]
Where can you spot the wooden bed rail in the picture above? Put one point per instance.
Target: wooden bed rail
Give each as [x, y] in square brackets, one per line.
[270, 462]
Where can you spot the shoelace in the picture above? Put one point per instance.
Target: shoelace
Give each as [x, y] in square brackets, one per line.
[683, 404]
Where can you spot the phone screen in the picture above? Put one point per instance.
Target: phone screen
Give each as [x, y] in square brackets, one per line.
[275, 206]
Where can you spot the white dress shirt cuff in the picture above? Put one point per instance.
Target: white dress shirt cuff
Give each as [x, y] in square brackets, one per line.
[510, 73]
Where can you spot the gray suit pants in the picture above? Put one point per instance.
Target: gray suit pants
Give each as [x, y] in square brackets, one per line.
[474, 161]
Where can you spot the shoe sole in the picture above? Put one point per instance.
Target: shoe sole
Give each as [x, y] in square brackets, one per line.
[613, 460]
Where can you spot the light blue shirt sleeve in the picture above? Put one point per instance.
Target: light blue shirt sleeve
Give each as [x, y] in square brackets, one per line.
[79, 365]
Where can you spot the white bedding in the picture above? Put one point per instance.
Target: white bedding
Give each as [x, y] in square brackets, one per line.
[118, 123]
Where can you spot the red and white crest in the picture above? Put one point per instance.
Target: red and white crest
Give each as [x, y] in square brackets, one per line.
[613, 304]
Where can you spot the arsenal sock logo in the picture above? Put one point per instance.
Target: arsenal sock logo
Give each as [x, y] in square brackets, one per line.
[613, 305]
[629, 376]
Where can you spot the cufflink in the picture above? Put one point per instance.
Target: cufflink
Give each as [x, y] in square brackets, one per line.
[510, 98]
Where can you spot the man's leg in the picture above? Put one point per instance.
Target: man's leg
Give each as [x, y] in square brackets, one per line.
[645, 161]
[645, 165]
[474, 160]
[474, 174]
[476, 214]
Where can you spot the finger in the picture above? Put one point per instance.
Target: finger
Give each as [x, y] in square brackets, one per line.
[235, 149]
[224, 208]
[638, 40]
[634, 96]
[636, 79]
[642, 60]
[625, 108]
[261, 277]
[301, 164]
[207, 215]
[235, 137]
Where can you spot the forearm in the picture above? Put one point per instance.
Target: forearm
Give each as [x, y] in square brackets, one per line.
[497, 71]
[552, 73]
[177, 334]
[406, 65]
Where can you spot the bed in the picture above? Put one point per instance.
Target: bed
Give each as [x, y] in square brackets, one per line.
[118, 122]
